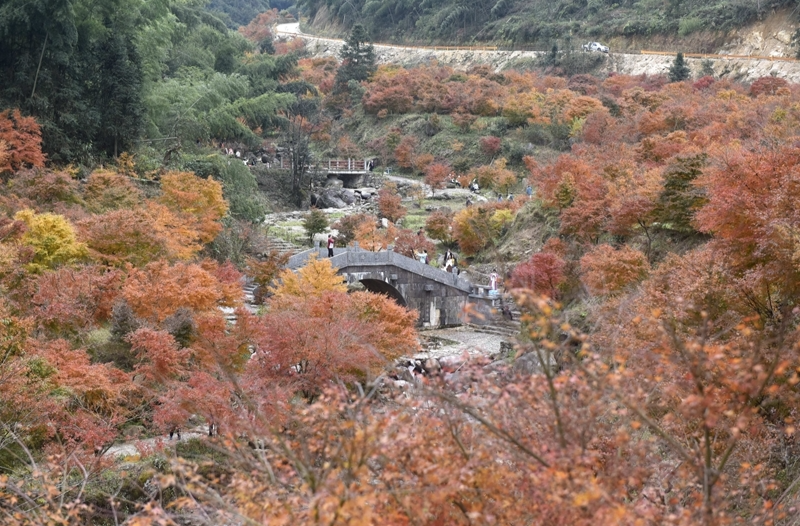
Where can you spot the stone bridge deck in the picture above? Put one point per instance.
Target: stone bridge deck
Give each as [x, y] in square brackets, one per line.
[440, 297]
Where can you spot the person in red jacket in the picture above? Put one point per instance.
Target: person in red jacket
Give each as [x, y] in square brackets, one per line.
[331, 243]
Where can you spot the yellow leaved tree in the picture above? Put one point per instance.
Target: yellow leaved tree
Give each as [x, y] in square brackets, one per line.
[52, 238]
[317, 277]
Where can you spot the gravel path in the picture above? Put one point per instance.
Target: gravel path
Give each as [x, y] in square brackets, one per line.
[137, 447]
[455, 341]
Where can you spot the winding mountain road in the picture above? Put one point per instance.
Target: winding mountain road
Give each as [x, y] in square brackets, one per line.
[462, 58]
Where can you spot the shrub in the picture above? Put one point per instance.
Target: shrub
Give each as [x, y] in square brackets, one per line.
[490, 145]
[390, 204]
[543, 273]
[606, 270]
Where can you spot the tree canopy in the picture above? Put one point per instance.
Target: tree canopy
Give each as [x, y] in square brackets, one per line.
[101, 78]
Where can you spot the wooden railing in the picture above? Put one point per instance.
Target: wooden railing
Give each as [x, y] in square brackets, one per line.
[335, 165]
[709, 55]
[345, 165]
[496, 48]
[397, 46]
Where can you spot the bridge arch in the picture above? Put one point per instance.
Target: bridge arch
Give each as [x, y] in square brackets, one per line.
[381, 287]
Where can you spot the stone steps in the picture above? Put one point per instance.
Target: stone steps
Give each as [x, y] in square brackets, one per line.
[249, 289]
[506, 332]
[283, 246]
[498, 324]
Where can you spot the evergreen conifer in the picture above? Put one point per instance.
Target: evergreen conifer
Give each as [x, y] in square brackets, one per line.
[358, 59]
[679, 71]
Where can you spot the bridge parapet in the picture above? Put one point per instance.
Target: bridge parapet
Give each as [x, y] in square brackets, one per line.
[356, 257]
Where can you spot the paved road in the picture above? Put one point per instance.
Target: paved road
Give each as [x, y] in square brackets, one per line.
[742, 68]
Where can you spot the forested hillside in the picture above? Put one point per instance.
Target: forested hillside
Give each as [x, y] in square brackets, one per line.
[539, 22]
[645, 229]
[106, 78]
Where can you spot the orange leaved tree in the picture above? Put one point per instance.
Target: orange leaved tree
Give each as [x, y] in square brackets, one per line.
[315, 333]
[606, 270]
[436, 175]
[543, 273]
[200, 199]
[157, 290]
[390, 203]
[20, 142]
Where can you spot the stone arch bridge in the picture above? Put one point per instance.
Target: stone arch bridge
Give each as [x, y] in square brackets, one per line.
[440, 297]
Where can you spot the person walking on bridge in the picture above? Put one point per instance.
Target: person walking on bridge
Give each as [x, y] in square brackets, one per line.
[331, 243]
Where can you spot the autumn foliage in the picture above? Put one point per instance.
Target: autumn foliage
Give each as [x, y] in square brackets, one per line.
[390, 204]
[606, 270]
[654, 379]
[543, 273]
[260, 28]
[478, 227]
[20, 142]
[437, 174]
[200, 287]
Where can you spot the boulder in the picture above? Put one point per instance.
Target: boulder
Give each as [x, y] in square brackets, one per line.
[329, 198]
[348, 196]
[366, 192]
[333, 182]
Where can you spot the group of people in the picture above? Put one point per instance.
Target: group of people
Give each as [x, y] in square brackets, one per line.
[450, 262]
[233, 153]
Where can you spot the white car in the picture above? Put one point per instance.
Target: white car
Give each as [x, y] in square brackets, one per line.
[595, 46]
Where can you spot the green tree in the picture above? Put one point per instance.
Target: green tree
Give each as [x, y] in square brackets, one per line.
[238, 185]
[120, 73]
[681, 197]
[358, 59]
[315, 222]
[238, 12]
[708, 69]
[679, 71]
[71, 64]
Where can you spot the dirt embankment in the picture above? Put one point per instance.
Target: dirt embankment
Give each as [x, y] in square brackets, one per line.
[741, 69]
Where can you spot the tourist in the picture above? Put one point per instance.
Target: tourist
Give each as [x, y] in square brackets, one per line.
[449, 261]
[331, 243]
